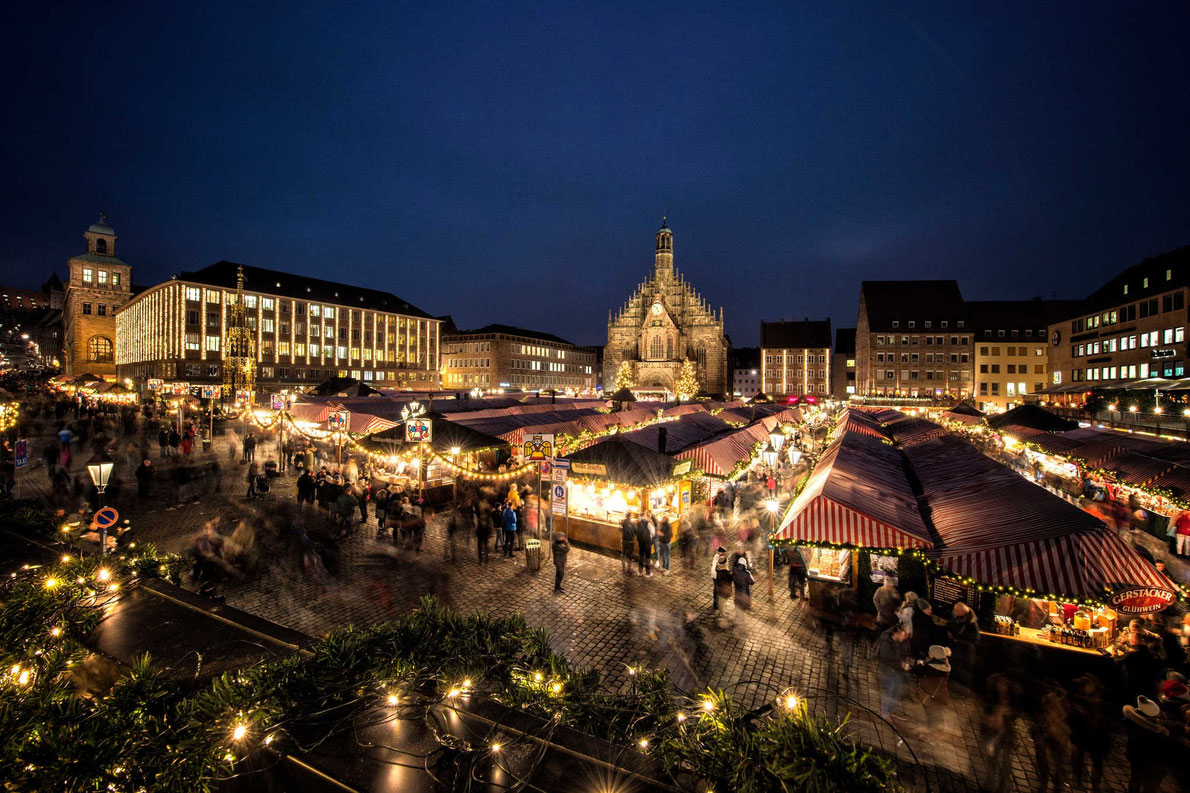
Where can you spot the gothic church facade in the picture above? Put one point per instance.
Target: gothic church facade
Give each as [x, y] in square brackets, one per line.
[664, 321]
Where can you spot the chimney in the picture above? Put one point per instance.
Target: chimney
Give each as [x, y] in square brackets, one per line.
[662, 432]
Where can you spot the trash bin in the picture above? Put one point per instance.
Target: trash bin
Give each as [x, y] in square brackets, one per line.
[533, 554]
[206, 444]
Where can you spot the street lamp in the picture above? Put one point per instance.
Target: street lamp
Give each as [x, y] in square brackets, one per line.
[100, 468]
[769, 455]
[772, 505]
[777, 438]
[1157, 411]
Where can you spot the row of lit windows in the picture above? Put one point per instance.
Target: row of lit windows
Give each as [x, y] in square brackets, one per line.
[1129, 372]
[778, 359]
[776, 387]
[914, 374]
[1175, 301]
[1010, 389]
[927, 324]
[1012, 368]
[930, 341]
[91, 277]
[792, 374]
[1145, 281]
[931, 357]
[1020, 352]
[1123, 343]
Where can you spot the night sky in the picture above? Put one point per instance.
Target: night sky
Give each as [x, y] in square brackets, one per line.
[513, 165]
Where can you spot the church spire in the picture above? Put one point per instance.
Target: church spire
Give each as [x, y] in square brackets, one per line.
[663, 259]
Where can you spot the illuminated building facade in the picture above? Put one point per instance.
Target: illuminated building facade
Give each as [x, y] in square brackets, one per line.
[305, 330]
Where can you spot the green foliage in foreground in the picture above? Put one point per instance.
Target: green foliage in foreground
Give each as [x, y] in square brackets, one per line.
[146, 733]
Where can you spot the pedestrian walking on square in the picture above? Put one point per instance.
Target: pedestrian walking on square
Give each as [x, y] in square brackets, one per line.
[886, 600]
[665, 536]
[250, 448]
[508, 523]
[721, 578]
[627, 540]
[1147, 736]
[560, 549]
[644, 545]
[742, 581]
[144, 478]
[1051, 740]
[458, 525]
[998, 729]
[1090, 731]
[253, 470]
[964, 640]
[1181, 531]
[797, 574]
[892, 653]
[306, 487]
[380, 499]
[483, 531]
[932, 691]
[175, 440]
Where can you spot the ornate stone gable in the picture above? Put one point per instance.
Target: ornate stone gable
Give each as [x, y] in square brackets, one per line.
[664, 321]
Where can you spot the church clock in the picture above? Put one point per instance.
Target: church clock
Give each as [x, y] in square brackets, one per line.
[656, 308]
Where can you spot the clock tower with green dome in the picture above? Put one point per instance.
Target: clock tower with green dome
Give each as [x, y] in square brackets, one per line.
[664, 322]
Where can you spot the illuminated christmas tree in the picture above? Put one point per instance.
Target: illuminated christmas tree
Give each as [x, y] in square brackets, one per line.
[687, 385]
[624, 377]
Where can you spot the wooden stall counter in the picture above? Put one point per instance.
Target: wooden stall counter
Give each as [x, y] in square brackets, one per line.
[1035, 636]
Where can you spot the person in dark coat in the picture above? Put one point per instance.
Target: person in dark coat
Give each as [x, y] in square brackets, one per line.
[306, 488]
[742, 580]
[627, 539]
[644, 546]
[797, 574]
[964, 639]
[560, 550]
[923, 628]
[483, 531]
[144, 478]
[1090, 730]
[721, 576]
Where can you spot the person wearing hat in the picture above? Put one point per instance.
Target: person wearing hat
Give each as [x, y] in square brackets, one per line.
[1173, 696]
[1145, 750]
[932, 689]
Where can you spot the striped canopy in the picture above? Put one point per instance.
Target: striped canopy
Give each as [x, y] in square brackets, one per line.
[1082, 565]
[858, 495]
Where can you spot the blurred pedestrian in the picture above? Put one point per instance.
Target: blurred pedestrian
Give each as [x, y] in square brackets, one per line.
[891, 652]
[560, 549]
[797, 574]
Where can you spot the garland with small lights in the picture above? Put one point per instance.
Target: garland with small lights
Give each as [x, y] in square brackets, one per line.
[145, 733]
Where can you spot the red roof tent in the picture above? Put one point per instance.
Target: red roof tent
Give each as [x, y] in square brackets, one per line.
[857, 495]
[1001, 529]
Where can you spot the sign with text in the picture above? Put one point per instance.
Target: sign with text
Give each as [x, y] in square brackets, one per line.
[558, 498]
[682, 467]
[1141, 599]
[539, 447]
[589, 469]
[419, 431]
[20, 453]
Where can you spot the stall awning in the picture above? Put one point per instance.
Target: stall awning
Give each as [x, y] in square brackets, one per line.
[621, 461]
[1082, 565]
[719, 456]
[858, 495]
[447, 435]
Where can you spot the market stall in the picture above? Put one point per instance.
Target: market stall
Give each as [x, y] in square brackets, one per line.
[615, 477]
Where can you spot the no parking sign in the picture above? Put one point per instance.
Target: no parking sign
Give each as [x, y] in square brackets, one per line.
[106, 518]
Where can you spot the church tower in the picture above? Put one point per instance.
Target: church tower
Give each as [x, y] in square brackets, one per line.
[663, 259]
[99, 284]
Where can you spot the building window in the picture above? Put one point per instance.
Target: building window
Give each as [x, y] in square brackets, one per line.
[212, 344]
[101, 309]
[103, 276]
[99, 349]
[192, 341]
[266, 325]
[86, 308]
[267, 303]
[193, 293]
[191, 317]
[896, 323]
[249, 301]
[88, 275]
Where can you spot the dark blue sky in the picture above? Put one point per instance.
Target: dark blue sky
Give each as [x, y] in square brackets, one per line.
[512, 165]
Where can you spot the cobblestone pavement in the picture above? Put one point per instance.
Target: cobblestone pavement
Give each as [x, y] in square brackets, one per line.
[609, 620]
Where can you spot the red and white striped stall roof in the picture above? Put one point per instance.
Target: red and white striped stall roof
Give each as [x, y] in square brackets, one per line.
[1081, 565]
[858, 495]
